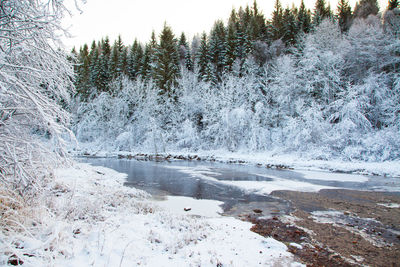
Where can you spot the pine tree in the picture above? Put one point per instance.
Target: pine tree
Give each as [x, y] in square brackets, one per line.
[393, 4]
[203, 58]
[83, 72]
[217, 46]
[135, 60]
[114, 61]
[123, 61]
[105, 47]
[344, 15]
[183, 47]
[257, 28]
[321, 12]
[94, 62]
[276, 24]
[166, 62]
[148, 57]
[290, 26]
[364, 8]
[231, 41]
[304, 18]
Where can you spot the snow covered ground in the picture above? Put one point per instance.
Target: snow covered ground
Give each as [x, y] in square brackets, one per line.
[93, 219]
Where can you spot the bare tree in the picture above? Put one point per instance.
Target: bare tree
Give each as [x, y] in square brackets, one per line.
[35, 80]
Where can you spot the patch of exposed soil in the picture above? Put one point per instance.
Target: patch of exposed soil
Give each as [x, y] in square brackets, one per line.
[338, 227]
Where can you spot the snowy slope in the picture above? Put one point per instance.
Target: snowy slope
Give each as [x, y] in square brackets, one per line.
[97, 221]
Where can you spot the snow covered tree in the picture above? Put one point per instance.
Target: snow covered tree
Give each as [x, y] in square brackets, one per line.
[321, 12]
[304, 18]
[391, 22]
[364, 8]
[135, 60]
[344, 15]
[82, 81]
[165, 70]
[231, 42]
[290, 28]
[203, 59]
[217, 46]
[393, 4]
[35, 78]
[148, 57]
[277, 23]
[257, 29]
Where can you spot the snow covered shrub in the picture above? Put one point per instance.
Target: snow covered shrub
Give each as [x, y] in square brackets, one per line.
[35, 80]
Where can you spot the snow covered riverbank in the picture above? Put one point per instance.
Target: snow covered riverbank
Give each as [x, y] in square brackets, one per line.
[92, 219]
[267, 159]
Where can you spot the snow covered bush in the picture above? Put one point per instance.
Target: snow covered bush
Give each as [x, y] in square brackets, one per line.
[35, 82]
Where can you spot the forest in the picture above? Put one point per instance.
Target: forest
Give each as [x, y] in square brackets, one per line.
[318, 83]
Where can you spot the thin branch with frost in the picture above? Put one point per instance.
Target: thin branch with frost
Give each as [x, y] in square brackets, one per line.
[35, 78]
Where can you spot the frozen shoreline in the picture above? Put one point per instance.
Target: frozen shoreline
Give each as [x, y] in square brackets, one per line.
[267, 159]
[95, 220]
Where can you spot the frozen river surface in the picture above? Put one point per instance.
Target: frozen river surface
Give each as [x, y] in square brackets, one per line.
[239, 187]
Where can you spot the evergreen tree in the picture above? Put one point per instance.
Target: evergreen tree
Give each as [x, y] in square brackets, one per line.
[364, 8]
[135, 60]
[217, 46]
[344, 15]
[304, 18]
[393, 4]
[257, 28]
[290, 26]
[231, 41]
[321, 12]
[94, 63]
[276, 25]
[123, 61]
[148, 57]
[105, 47]
[183, 48]
[83, 72]
[203, 58]
[114, 61]
[189, 61]
[166, 62]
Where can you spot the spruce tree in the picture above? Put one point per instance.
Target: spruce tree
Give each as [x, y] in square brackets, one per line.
[123, 61]
[344, 15]
[83, 72]
[393, 4]
[276, 25]
[165, 70]
[321, 12]
[148, 57]
[94, 63]
[183, 47]
[257, 28]
[231, 41]
[135, 58]
[304, 18]
[203, 58]
[290, 28]
[217, 46]
[364, 8]
[114, 61]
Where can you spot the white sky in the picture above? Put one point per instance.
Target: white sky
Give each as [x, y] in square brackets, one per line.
[137, 18]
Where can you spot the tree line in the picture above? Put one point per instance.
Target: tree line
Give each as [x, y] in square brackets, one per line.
[224, 49]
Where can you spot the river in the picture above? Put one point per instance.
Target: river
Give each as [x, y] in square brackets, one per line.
[240, 187]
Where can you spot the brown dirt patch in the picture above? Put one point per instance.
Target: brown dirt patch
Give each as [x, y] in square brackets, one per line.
[363, 232]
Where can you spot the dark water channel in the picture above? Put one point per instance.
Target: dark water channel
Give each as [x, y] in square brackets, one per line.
[205, 180]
